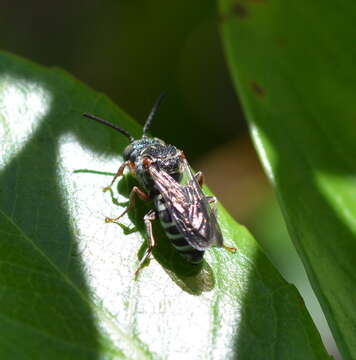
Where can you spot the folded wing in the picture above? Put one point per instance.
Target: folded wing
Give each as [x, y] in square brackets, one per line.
[189, 208]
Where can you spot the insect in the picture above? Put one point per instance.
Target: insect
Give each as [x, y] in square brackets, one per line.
[187, 215]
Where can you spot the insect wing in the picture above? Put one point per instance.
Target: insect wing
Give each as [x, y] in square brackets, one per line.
[213, 228]
[188, 208]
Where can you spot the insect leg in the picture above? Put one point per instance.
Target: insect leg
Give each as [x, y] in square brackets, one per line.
[228, 248]
[149, 217]
[135, 191]
[214, 201]
[128, 163]
[199, 176]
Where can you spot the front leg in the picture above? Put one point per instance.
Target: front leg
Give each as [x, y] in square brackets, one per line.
[132, 199]
[128, 163]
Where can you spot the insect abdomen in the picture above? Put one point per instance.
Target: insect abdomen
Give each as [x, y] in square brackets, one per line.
[192, 255]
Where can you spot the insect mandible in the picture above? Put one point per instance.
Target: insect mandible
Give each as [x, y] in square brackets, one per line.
[187, 215]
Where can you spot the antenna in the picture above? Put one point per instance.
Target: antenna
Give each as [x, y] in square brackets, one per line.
[152, 114]
[107, 123]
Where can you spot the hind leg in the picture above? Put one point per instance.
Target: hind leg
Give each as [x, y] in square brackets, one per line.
[214, 201]
[151, 243]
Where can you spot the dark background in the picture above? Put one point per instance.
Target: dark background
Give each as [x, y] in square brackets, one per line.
[132, 51]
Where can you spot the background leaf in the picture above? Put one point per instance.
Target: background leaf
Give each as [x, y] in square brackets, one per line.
[67, 288]
[292, 64]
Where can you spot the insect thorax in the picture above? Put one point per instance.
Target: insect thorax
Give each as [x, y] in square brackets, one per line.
[163, 156]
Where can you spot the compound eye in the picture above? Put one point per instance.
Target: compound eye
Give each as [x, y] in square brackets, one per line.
[127, 152]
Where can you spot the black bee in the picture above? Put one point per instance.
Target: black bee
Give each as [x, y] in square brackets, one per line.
[183, 209]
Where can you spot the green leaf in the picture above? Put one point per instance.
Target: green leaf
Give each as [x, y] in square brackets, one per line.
[292, 63]
[67, 287]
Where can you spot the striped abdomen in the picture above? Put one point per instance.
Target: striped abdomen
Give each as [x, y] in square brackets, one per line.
[177, 239]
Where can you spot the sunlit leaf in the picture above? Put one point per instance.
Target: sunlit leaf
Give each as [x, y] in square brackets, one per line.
[67, 284]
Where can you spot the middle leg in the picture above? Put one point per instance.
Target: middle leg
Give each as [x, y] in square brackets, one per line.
[132, 199]
[199, 176]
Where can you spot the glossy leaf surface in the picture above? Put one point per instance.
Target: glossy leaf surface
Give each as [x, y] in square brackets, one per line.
[66, 286]
[292, 65]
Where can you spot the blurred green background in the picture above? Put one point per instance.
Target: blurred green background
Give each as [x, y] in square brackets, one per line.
[132, 51]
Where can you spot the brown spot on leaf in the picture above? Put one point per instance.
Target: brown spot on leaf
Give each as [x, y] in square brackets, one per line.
[224, 18]
[281, 42]
[257, 89]
[240, 10]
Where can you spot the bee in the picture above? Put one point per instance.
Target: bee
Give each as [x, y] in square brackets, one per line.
[187, 215]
